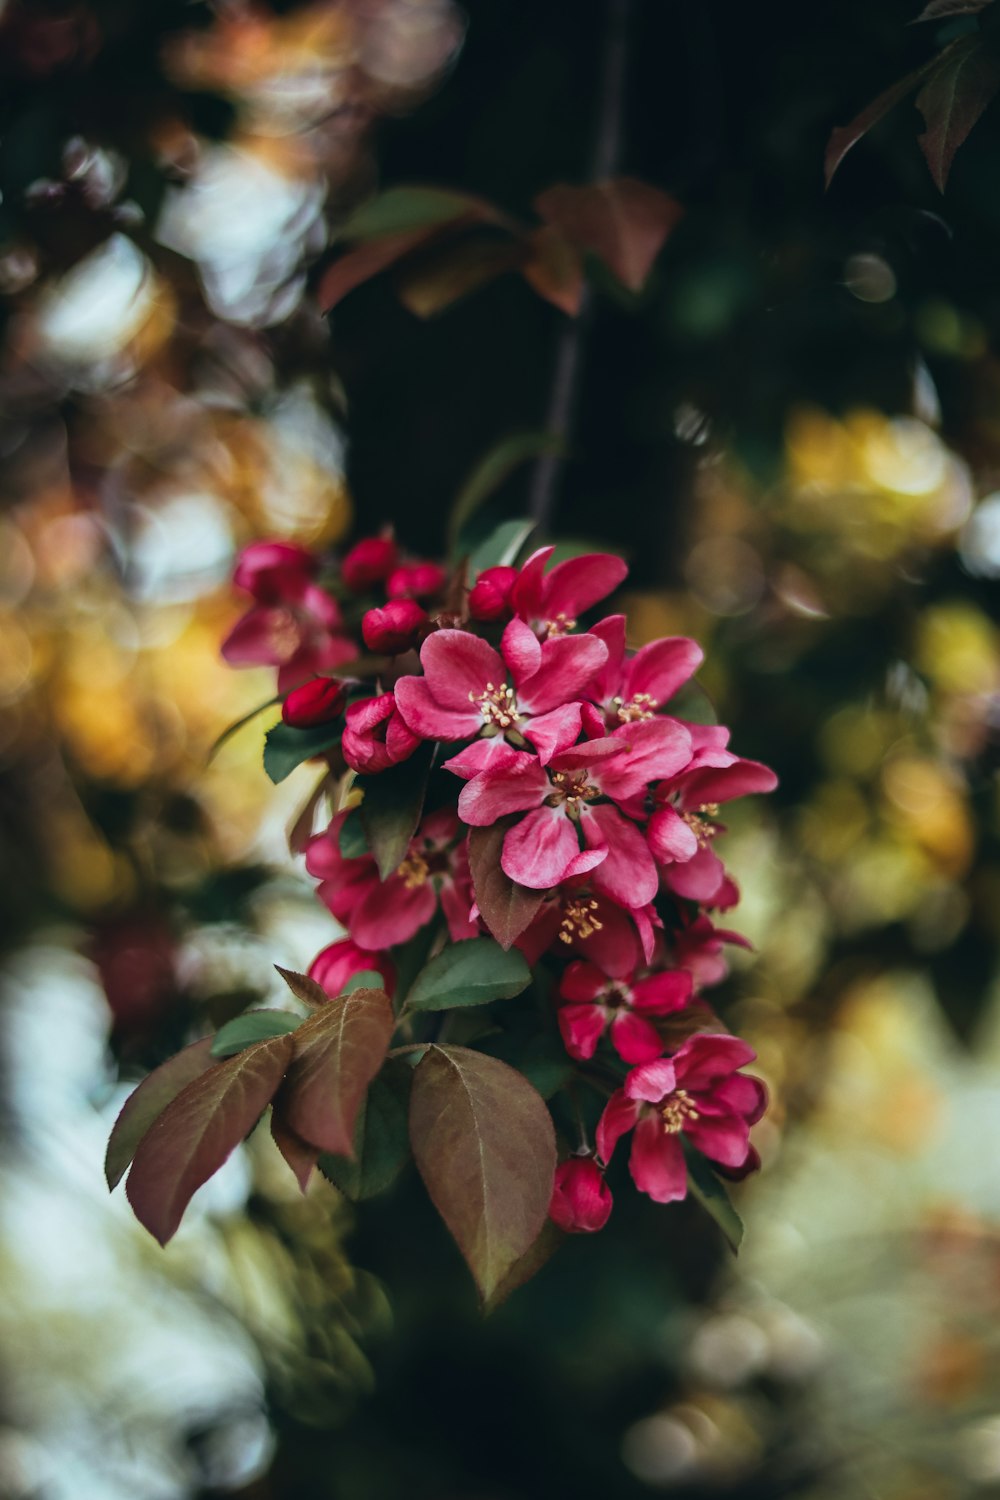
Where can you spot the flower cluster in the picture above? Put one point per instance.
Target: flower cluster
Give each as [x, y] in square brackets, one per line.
[555, 784]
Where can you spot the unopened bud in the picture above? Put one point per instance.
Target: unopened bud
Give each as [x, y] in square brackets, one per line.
[316, 702]
[396, 627]
[369, 561]
[490, 598]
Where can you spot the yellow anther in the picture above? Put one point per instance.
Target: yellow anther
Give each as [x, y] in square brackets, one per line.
[414, 871]
[560, 624]
[699, 824]
[639, 706]
[497, 705]
[677, 1110]
[579, 920]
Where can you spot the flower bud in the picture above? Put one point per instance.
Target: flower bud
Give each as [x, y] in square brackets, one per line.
[316, 702]
[396, 627]
[274, 571]
[335, 965]
[581, 1199]
[369, 561]
[376, 736]
[416, 581]
[490, 597]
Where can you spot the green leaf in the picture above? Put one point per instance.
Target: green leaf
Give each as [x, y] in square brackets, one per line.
[254, 1026]
[197, 1131]
[472, 972]
[401, 209]
[381, 1136]
[364, 979]
[337, 1053]
[712, 1195]
[485, 1147]
[147, 1102]
[353, 842]
[286, 747]
[391, 809]
[506, 907]
[501, 548]
[490, 473]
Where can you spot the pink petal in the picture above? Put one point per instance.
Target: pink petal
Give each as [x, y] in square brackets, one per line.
[391, 913]
[400, 740]
[697, 879]
[593, 721]
[489, 753]
[582, 981]
[576, 585]
[585, 861]
[521, 651]
[494, 794]
[335, 965]
[662, 667]
[555, 731]
[635, 1039]
[541, 933]
[582, 1027]
[425, 716]
[620, 1114]
[741, 1094]
[537, 851]
[708, 1057]
[526, 595]
[616, 946]
[590, 753]
[568, 664]
[662, 994]
[457, 909]
[657, 1162]
[607, 682]
[670, 838]
[456, 664]
[321, 605]
[658, 748]
[726, 1140]
[264, 637]
[581, 1199]
[652, 1081]
[628, 875]
[647, 922]
[741, 779]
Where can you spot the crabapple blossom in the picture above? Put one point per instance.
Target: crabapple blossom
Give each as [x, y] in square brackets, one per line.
[581, 1199]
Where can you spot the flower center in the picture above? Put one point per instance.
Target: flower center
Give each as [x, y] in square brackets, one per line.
[560, 624]
[283, 634]
[579, 920]
[699, 822]
[677, 1110]
[414, 871]
[569, 789]
[639, 706]
[497, 705]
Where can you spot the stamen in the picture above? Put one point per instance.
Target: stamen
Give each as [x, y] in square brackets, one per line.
[677, 1111]
[699, 823]
[497, 705]
[579, 920]
[570, 788]
[560, 624]
[639, 706]
[414, 871]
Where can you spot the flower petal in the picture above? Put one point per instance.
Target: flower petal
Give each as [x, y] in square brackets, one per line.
[620, 1114]
[696, 879]
[652, 1081]
[426, 717]
[521, 651]
[495, 793]
[581, 1199]
[670, 838]
[457, 664]
[581, 1027]
[662, 667]
[608, 680]
[709, 1057]
[657, 1162]
[582, 981]
[552, 732]
[725, 1140]
[567, 665]
[538, 849]
[658, 748]
[741, 779]
[489, 753]
[628, 875]
[264, 637]
[391, 913]
[576, 585]
[662, 994]
[635, 1039]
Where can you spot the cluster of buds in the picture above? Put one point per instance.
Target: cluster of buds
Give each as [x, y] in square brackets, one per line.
[541, 727]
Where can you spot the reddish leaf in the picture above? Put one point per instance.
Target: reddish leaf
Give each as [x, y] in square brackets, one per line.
[505, 907]
[299, 1155]
[411, 206]
[624, 222]
[433, 282]
[304, 988]
[554, 270]
[964, 82]
[531, 1262]
[146, 1103]
[365, 261]
[946, 10]
[845, 136]
[484, 1143]
[338, 1051]
[198, 1130]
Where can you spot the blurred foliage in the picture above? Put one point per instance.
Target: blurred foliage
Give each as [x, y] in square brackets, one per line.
[794, 436]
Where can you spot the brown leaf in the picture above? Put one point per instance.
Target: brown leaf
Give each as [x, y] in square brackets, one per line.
[364, 261]
[529, 1265]
[304, 988]
[338, 1051]
[485, 1147]
[554, 270]
[506, 907]
[845, 136]
[197, 1131]
[623, 221]
[146, 1103]
[433, 282]
[299, 1155]
[957, 92]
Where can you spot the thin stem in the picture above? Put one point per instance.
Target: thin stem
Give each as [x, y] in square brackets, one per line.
[569, 353]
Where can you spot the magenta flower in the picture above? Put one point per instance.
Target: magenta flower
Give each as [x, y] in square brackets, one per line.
[633, 688]
[380, 914]
[375, 735]
[317, 702]
[574, 796]
[698, 948]
[573, 919]
[369, 561]
[581, 1199]
[398, 626]
[294, 625]
[338, 963]
[699, 1093]
[552, 603]
[418, 580]
[594, 1002]
[465, 691]
[489, 599]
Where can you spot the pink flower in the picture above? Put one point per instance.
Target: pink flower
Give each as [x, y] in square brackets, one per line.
[698, 948]
[294, 624]
[375, 735]
[581, 1199]
[575, 920]
[595, 1001]
[340, 961]
[465, 692]
[697, 1092]
[551, 603]
[381, 914]
[396, 627]
[489, 599]
[574, 796]
[316, 702]
[369, 561]
[633, 688]
[416, 581]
